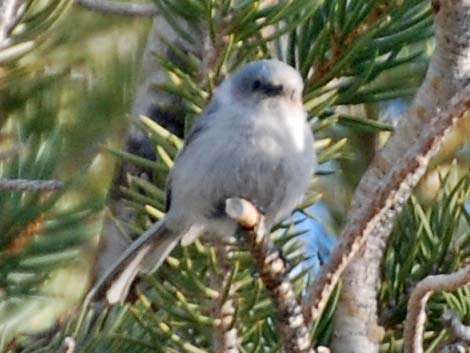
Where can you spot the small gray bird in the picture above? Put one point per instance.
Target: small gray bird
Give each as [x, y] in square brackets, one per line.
[253, 142]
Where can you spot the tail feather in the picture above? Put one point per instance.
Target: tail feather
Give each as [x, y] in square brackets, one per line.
[158, 253]
[148, 259]
[146, 253]
[119, 288]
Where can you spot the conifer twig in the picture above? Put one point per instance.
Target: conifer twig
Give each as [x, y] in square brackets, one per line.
[459, 334]
[225, 336]
[380, 211]
[390, 179]
[272, 270]
[118, 8]
[29, 185]
[416, 315]
[456, 347]
[455, 326]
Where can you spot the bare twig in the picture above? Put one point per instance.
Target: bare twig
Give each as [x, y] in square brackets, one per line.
[455, 326]
[459, 340]
[389, 196]
[416, 315]
[456, 347]
[391, 177]
[225, 335]
[30, 185]
[272, 270]
[118, 8]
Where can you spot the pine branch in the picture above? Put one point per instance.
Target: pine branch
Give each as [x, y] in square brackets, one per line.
[416, 316]
[118, 8]
[414, 139]
[380, 211]
[272, 269]
[225, 336]
[379, 198]
[455, 326]
[460, 334]
[29, 185]
[458, 347]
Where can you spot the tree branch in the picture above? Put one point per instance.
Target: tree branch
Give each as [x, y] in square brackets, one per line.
[455, 326]
[29, 185]
[273, 272]
[380, 211]
[435, 106]
[389, 182]
[225, 335]
[416, 315]
[118, 8]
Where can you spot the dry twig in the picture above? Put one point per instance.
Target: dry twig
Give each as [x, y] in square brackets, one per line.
[29, 185]
[379, 212]
[273, 272]
[455, 326]
[225, 335]
[416, 315]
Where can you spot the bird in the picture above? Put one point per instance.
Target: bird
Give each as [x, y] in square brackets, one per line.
[253, 141]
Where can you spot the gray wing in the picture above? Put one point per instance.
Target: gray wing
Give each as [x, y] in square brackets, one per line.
[202, 124]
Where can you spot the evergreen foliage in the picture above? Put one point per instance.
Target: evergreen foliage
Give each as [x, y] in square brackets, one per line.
[348, 52]
[46, 132]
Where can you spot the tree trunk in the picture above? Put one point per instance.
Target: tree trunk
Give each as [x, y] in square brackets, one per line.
[355, 322]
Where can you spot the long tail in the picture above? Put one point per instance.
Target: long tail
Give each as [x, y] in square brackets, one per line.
[146, 253]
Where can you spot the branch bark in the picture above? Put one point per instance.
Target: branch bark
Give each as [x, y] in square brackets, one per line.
[455, 326]
[388, 183]
[225, 336]
[272, 270]
[29, 185]
[416, 315]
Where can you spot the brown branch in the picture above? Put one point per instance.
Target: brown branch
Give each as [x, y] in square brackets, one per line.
[391, 178]
[389, 196]
[225, 336]
[416, 315]
[455, 326]
[459, 334]
[118, 8]
[457, 347]
[29, 185]
[272, 269]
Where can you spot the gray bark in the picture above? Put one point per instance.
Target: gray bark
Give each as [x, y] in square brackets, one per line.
[355, 323]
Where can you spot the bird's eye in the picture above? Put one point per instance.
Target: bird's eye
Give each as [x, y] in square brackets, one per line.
[256, 85]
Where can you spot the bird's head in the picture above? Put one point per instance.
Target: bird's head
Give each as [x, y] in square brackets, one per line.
[263, 80]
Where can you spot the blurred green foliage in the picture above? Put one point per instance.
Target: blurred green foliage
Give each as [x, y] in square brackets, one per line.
[65, 92]
[58, 107]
